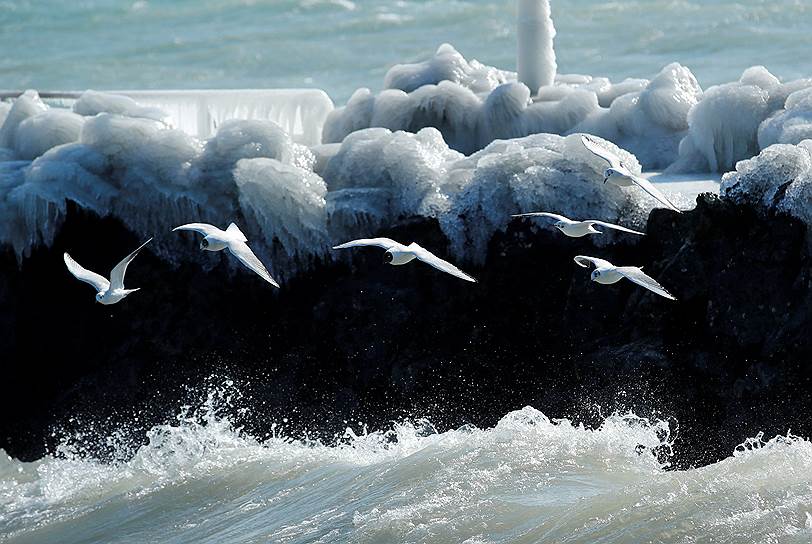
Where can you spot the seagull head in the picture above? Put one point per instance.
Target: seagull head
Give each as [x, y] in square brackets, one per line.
[559, 225]
[99, 297]
[204, 243]
[595, 274]
[388, 257]
[608, 174]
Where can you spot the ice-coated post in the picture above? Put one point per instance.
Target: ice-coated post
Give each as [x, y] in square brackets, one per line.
[536, 59]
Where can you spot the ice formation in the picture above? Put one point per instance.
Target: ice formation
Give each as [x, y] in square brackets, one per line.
[473, 107]
[153, 177]
[535, 61]
[779, 179]
[539, 172]
[447, 64]
[301, 112]
[93, 102]
[293, 202]
[732, 121]
[455, 141]
[378, 177]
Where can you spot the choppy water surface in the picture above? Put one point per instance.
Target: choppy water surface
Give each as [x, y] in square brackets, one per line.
[528, 479]
[339, 45]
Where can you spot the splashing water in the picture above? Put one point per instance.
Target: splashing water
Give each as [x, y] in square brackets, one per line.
[528, 479]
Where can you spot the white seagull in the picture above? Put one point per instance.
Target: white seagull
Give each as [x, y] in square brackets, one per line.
[577, 229]
[607, 274]
[397, 254]
[107, 291]
[621, 176]
[232, 239]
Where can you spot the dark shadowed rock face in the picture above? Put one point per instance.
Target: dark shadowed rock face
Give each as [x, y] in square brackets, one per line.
[375, 343]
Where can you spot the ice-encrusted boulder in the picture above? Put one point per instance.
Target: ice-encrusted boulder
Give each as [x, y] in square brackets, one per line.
[790, 125]
[447, 64]
[26, 105]
[651, 120]
[542, 172]
[378, 177]
[43, 131]
[153, 177]
[725, 126]
[283, 203]
[471, 109]
[92, 103]
[778, 179]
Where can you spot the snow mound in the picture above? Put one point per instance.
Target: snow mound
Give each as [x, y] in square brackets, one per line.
[778, 179]
[650, 120]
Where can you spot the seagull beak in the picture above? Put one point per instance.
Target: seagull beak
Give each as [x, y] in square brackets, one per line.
[606, 179]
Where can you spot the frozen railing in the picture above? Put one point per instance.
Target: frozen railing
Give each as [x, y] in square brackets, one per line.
[301, 112]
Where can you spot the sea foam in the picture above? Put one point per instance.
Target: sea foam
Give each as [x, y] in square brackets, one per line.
[529, 478]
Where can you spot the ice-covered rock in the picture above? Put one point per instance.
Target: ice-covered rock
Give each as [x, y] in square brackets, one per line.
[153, 177]
[39, 133]
[26, 105]
[725, 124]
[779, 179]
[285, 206]
[378, 176]
[542, 172]
[91, 103]
[790, 125]
[447, 64]
[648, 118]
[649, 122]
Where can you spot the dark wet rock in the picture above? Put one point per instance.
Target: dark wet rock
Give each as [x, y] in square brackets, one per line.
[355, 340]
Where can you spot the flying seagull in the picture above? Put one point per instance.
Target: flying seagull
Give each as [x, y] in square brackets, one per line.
[607, 274]
[621, 176]
[232, 239]
[107, 291]
[397, 254]
[577, 229]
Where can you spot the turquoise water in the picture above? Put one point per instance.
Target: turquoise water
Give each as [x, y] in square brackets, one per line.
[339, 45]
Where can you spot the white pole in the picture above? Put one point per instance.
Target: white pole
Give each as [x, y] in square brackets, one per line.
[536, 59]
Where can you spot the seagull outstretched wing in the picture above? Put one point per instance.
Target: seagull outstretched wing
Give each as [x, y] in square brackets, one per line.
[634, 274]
[203, 228]
[99, 283]
[385, 243]
[597, 149]
[241, 250]
[544, 214]
[117, 274]
[586, 262]
[431, 259]
[615, 227]
[653, 191]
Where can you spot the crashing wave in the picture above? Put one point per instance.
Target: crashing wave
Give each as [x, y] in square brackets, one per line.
[528, 478]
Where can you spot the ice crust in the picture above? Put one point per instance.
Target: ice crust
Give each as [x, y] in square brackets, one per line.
[450, 140]
[779, 179]
[472, 105]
